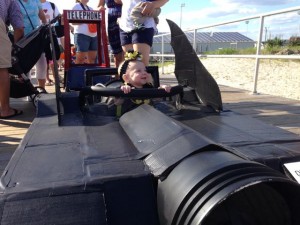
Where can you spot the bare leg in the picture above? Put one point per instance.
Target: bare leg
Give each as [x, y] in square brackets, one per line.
[127, 47]
[6, 110]
[41, 83]
[144, 49]
[81, 57]
[118, 58]
[91, 56]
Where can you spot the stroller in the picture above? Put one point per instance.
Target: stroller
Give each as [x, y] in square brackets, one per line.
[25, 53]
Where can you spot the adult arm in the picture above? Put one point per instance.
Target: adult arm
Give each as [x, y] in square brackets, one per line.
[119, 2]
[101, 4]
[149, 7]
[16, 19]
[18, 34]
[42, 16]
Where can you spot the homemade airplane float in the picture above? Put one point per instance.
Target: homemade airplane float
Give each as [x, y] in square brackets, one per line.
[183, 161]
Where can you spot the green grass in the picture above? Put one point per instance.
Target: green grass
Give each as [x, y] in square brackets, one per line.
[166, 63]
[269, 50]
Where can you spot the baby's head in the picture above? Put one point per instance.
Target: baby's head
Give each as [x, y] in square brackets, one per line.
[133, 71]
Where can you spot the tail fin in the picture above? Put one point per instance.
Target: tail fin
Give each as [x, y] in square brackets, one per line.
[190, 71]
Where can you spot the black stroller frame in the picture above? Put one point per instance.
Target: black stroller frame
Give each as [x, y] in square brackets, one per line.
[25, 53]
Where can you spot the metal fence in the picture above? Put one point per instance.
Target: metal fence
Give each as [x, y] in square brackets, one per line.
[258, 56]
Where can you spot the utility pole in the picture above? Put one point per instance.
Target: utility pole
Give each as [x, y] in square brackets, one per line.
[181, 6]
[247, 22]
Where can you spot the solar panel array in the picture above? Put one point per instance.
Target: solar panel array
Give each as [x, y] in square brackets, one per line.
[206, 37]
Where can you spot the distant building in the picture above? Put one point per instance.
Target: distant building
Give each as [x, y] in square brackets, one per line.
[207, 41]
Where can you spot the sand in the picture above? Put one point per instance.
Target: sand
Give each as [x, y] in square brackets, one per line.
[275, 77]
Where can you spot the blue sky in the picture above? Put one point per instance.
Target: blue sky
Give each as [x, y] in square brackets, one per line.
[197, 13]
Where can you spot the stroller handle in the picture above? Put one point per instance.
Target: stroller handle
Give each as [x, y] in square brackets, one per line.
[55, 19]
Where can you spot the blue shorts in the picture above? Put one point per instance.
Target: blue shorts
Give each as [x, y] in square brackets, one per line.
[137, 36]
[85, 43]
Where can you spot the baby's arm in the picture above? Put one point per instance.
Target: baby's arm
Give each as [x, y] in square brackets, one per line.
[166, 87]
[126, 88]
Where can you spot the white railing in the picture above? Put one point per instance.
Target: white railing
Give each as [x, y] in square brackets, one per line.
[257, 56]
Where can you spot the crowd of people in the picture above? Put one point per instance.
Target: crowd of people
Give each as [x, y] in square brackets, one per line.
[131, 27]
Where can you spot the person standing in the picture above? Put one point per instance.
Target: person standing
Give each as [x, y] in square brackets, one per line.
[51, 11]
[9, 12]
[113, 29]
[85, 39]
[138, 39]
[33, 15]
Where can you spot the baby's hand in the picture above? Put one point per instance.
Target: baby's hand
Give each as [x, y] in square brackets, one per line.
[166, 87]
[126, 88]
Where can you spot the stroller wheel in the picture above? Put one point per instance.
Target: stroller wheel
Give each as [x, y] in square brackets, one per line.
[29, 98]
[35, 100]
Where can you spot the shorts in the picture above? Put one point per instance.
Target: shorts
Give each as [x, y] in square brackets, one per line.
[5, 47]
[85, 43]
[144, 36]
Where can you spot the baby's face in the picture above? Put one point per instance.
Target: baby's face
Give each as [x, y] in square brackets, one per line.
[137, 75]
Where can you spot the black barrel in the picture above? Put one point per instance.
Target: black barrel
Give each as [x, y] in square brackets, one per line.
[220, 188]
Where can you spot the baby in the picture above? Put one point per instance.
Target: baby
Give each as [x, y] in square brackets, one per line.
[134, 75]
[137, 16]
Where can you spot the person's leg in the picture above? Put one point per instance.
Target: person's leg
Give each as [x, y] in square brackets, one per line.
[126, 41]
[81, 42]
[91, 57]
[114, 39]
[41, 71]
[49, 81]
[4, 92]
[142, 41]
[118, 58]
[5, 62]
[93, 48]
[80, 57]
[128, 47]
[144, 49]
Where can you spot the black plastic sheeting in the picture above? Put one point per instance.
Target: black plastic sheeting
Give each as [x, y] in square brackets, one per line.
[191, 167]
[216, 187]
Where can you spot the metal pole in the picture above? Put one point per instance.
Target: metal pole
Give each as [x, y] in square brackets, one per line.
[181, 6]
[162, 52]
[247, 22]
[258, 53]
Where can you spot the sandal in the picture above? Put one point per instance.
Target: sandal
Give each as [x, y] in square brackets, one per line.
[49, 82]
[16, 113]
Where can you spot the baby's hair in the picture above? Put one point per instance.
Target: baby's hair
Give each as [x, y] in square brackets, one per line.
[130, 56]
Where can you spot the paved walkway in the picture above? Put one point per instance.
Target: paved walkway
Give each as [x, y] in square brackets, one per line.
[281, 112]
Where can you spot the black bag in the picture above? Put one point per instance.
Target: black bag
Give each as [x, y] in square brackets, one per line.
[20, 88]
[59, 29]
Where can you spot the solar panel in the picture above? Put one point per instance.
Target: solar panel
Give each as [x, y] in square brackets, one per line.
[205, 37]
